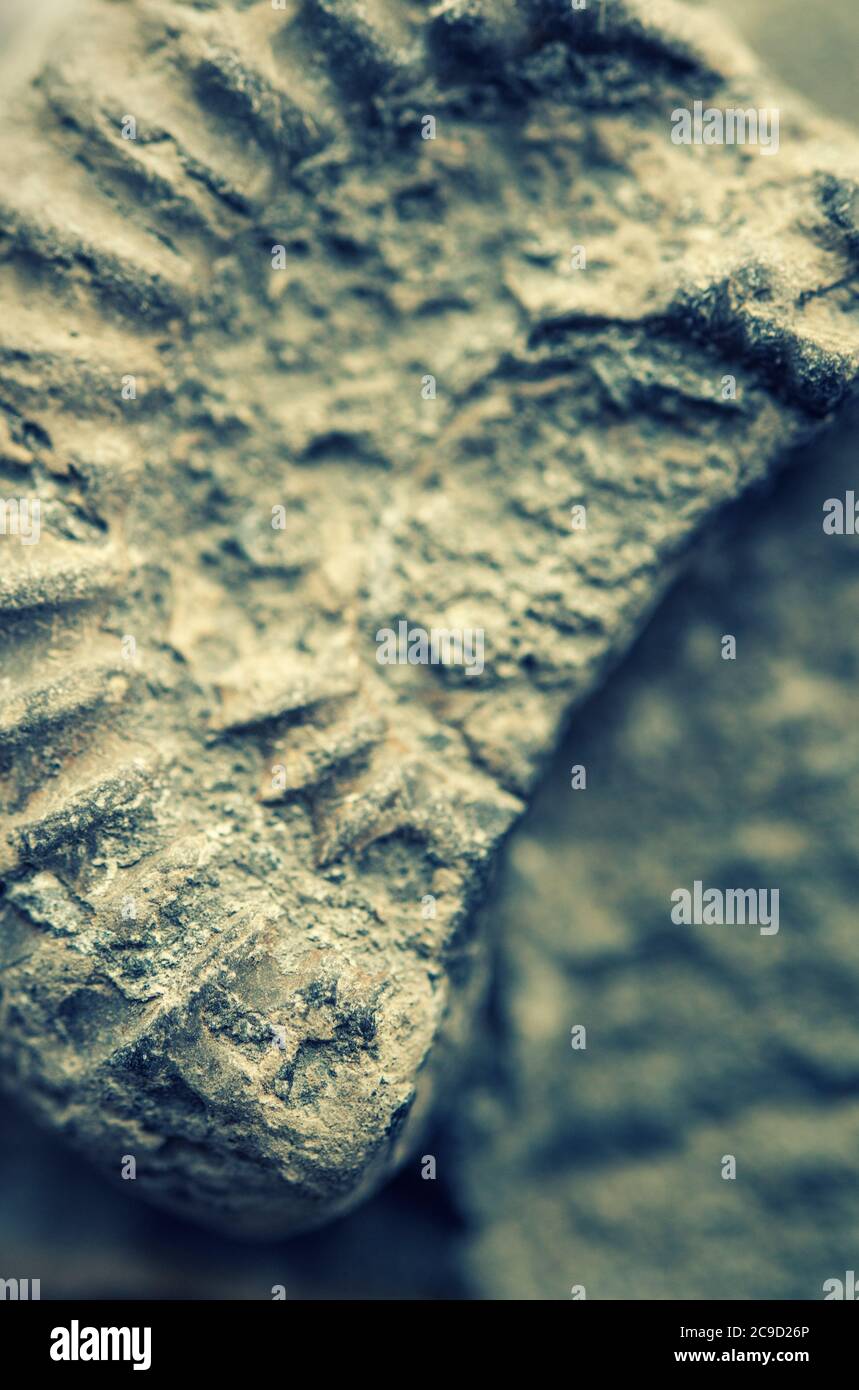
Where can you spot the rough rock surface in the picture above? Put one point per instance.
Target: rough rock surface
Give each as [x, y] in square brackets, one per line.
[603, 1167]
[229, 976]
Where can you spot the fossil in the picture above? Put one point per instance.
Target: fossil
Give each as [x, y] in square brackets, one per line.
[244, 863]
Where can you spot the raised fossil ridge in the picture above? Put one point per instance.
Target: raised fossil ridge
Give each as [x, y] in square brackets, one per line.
[243, 862]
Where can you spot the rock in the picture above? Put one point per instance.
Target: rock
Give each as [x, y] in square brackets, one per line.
[604, 1165]
[244, 292]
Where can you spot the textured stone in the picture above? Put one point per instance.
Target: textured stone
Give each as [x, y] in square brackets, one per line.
[245, 991]
[602, 1166]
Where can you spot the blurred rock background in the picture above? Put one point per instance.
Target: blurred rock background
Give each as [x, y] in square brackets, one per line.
[603, 1167]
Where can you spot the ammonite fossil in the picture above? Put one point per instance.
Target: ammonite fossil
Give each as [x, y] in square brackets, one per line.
[323, 318]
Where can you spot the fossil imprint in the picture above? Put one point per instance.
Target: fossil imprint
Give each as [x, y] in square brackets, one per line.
[321, 319]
